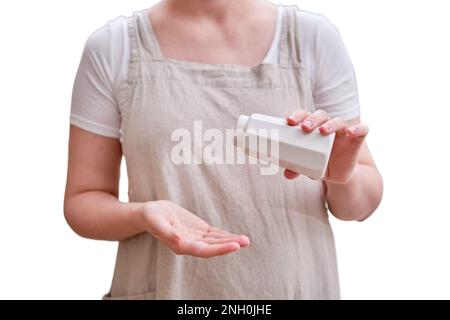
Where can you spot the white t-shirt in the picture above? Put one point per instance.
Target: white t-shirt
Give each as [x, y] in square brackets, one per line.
[98, 97]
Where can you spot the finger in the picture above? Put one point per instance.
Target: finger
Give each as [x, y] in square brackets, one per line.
[314, 120]
[337, 125]
[205, 250]
[242, 240]
[214, 229]
[215, 233]
[358, 131]
[291, 175]
[297, 117]
[219, 234]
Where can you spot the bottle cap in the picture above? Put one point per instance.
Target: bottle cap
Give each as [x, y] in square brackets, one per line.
[242, 122]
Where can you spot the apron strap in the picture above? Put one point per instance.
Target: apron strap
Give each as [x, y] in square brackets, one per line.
[290, 53]
[143, 39]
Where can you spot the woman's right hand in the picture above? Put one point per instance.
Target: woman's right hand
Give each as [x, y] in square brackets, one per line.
[186, 234]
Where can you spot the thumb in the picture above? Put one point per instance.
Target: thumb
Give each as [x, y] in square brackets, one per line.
[161, 226]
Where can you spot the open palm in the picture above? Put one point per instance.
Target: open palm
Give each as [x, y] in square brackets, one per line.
[186, 234]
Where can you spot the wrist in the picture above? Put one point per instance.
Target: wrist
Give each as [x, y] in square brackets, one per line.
[137, 215]
[345, 181]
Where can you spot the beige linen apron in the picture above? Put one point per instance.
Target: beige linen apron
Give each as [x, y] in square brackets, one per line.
[292, 252]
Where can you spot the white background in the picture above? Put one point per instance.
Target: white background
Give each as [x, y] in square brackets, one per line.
[400, 50]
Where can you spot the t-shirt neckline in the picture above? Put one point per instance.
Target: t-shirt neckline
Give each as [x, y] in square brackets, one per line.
[269, 57]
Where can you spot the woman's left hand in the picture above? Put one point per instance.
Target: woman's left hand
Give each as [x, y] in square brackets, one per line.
[348, 142]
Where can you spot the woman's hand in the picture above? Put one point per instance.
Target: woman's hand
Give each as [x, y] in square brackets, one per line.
[347, 144]
[186, 234]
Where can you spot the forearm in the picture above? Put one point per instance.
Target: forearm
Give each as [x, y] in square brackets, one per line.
[359, 197]
[100, 215]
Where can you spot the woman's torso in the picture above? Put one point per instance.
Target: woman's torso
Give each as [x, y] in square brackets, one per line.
[292, 255]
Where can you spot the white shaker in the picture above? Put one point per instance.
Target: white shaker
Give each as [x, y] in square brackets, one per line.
[305, 153]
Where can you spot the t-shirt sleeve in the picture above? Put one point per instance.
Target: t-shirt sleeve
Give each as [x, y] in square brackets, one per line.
[94, 106]
[334, 88]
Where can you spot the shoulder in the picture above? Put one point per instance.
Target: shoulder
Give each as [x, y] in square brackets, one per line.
[322, 47]
[330, 68]
[110, 36]
[107, 51]
[316, 29]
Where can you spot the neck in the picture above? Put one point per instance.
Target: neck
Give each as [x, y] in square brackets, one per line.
[214, 9]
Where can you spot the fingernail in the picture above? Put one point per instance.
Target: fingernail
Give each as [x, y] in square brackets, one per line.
[354, 130]
[292, 120]
[325, 127]
[308, 124]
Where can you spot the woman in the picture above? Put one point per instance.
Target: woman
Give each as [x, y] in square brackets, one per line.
[143, 77]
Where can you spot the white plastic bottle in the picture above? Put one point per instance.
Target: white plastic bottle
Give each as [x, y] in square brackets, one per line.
[305, 153]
